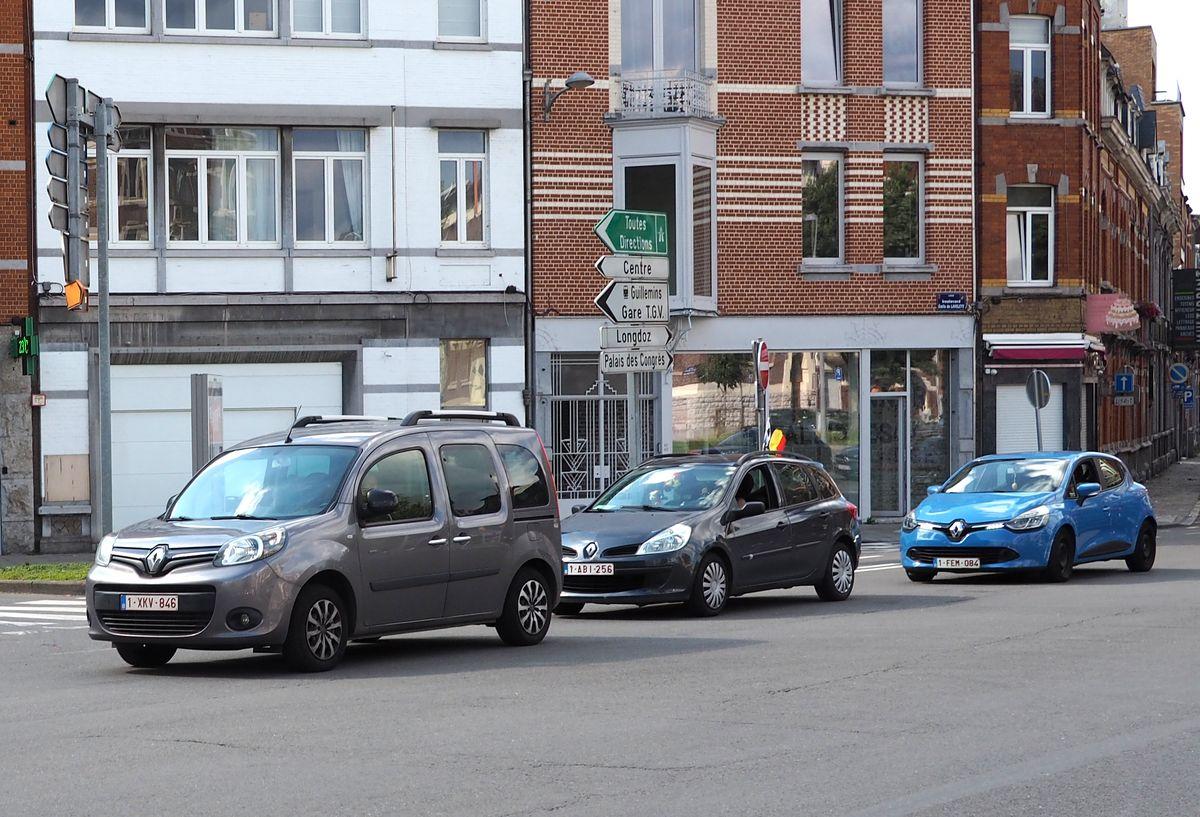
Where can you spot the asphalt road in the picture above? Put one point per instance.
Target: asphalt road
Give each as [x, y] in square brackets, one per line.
[971, 696]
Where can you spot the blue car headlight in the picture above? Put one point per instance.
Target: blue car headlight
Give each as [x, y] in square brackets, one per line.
[1034, 519]
[910, 522]
[671, 539]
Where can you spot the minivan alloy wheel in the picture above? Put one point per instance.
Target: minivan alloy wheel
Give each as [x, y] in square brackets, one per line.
[714, 584]
[533, 606]
[323, 629]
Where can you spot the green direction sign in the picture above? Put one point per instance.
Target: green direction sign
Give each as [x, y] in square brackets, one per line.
[24, 344]
[631, 232]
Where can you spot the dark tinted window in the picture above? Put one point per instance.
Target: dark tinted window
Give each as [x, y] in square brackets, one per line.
[756, 487]
[826, 487]
[795, 483]
[471, 480]
[1111, 474]
[525, 476]
[406, 475]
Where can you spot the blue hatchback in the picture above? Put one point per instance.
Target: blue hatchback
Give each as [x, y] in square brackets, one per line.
[1044, 512]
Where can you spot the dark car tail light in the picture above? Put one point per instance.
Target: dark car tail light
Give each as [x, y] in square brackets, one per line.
[850, 506]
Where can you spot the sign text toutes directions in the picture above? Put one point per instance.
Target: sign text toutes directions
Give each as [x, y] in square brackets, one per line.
[632, 232]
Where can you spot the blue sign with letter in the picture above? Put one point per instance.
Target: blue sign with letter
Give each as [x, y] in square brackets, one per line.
[838, 374]
[1189, 398]
[952, 302]
[1123, 383]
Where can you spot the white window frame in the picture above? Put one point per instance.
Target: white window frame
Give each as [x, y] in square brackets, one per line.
[127, 153]
[239, 30]
[840, 158]
[1027, 50]
[922, 195]
[329, 157]
[327, 32]
[202, 157]
[1027, 213]
[460, 159]
[658, 44]
[110, 20]
[840, 58]
[450, 38]
[919, 82]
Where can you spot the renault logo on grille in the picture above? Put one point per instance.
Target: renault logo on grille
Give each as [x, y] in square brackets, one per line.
[156, 558]
[957, 529]
[589, 550]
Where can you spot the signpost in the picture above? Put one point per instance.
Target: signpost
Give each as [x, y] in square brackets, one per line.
[762, 366]
[1037, 389]
[637, 300]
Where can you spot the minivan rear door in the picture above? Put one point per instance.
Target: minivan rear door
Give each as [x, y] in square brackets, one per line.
[480, 522]
[404, 555]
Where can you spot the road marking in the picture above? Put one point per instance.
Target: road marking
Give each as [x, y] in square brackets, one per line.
[39, 616]
[872, 568]
[45, 614]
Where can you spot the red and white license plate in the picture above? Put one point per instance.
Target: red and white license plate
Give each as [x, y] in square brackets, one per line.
[956, 564]
[156, 602]
[589, 568]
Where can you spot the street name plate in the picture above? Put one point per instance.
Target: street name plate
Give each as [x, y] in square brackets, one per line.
[634, 337]
[634, 267]
[636, 360]
[633, 232]
[1125, 400]
[634, 302]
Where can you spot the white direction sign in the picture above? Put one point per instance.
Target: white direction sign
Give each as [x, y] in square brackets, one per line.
[635, 302]
[634, 267]
[634, 337]
[636, 360]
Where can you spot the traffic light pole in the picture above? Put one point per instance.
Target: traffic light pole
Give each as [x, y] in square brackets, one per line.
[74, 183]
[103, 112]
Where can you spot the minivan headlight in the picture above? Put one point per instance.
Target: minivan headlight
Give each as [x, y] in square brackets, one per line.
[250, 548]
[1030, 520]
[671, 539]
[105, 548]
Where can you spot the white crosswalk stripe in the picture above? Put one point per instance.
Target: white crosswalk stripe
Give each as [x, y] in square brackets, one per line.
[22, 617]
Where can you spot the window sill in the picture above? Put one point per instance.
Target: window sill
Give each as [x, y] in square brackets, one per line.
[908, 272]
[466, 252]
[835, 272]
[456, 45]
[216, 39]
[65, 508]
[867, 90]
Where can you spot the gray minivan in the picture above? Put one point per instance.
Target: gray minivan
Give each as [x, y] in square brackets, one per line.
[340, 529]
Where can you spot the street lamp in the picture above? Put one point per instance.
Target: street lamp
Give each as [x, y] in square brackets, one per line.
[816, 223]
[578, 80]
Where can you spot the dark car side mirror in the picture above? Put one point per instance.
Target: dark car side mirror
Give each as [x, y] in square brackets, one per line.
[577, 508]
[379, 502]
[1087, 490]
[745, 512]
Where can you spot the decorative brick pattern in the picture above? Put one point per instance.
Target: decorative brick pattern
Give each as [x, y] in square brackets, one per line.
[905, 120]
[822, 118]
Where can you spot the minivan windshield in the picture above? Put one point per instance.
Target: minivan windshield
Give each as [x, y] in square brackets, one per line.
[669, 488]
[272, 482]
[1008, 477]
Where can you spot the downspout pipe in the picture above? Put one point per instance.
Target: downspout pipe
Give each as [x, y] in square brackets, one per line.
[529, 393]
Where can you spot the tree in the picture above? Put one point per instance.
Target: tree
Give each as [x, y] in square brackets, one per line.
[726, 371]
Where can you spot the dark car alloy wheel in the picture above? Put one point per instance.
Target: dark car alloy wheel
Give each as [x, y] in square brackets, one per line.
[838, 581]
[710, 587]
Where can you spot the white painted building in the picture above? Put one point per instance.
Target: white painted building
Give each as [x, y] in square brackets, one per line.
[319, 201]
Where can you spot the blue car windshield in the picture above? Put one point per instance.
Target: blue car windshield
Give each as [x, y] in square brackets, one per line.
[1008, 477]
[669, 488]
[272, 482]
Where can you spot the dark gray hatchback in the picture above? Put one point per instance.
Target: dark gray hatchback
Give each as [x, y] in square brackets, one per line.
[342, 529]
[701, 528]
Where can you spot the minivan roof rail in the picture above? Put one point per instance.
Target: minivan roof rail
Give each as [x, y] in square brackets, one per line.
[328, 419]
[481, 416]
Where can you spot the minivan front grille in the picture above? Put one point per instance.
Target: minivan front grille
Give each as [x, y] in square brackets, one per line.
[196, 604]
[124, 622]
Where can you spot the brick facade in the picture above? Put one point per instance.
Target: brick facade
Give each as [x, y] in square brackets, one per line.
[16, 420]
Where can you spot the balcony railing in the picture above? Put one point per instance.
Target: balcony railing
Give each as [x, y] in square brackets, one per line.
[651, 94]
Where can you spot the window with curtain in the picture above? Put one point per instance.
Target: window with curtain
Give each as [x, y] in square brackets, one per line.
[120, 15]
[1029, 65]
[336, 18]
[821, 42]
[461, 19]
[256, 18]
[329, 178]
[222, 185]
[659, 35]
[1030, 236]
[901, 42]
[822, 177]
[461, 156]
[464, 373]
[902, 204]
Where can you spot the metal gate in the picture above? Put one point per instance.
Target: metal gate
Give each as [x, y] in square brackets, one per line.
[589, 425]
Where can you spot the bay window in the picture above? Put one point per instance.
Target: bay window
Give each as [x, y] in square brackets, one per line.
[1029, 66]
[254, 18]
[112, 15]
[461, 156]
[222, 185]
[821, 42]
[337, 18]
[1030, 236]
[329, 172]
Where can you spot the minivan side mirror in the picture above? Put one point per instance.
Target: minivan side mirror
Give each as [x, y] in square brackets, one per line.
[933, 489]
[746, 511]
[1087, 490]
[379, 502]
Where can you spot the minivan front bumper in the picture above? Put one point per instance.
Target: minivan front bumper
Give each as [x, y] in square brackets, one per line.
[207, 596]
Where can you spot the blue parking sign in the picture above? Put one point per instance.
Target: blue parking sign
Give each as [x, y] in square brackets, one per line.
[1189, 398]
[1123, 383]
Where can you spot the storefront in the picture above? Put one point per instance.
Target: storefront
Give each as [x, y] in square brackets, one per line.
[887, 422]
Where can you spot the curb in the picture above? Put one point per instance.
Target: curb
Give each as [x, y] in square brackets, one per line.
[50, 588]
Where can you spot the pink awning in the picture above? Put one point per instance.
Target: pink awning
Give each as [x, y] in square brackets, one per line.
[1036, 353]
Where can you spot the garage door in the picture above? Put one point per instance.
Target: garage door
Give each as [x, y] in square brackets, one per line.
[152, 431]
[1016, 427]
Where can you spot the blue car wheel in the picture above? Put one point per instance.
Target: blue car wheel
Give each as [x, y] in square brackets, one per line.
[1147, 548]
[1062, 558]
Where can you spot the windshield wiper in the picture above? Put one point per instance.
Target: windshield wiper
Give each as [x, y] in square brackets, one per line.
[245, 516]
[180, 519]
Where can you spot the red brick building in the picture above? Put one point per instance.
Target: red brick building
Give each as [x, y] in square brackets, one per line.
[1080, 225]
[16, 139]
[836, 142]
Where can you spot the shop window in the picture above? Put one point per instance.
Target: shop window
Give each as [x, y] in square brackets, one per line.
[929, 409]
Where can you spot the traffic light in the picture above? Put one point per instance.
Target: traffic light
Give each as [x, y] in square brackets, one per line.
[76, 294]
